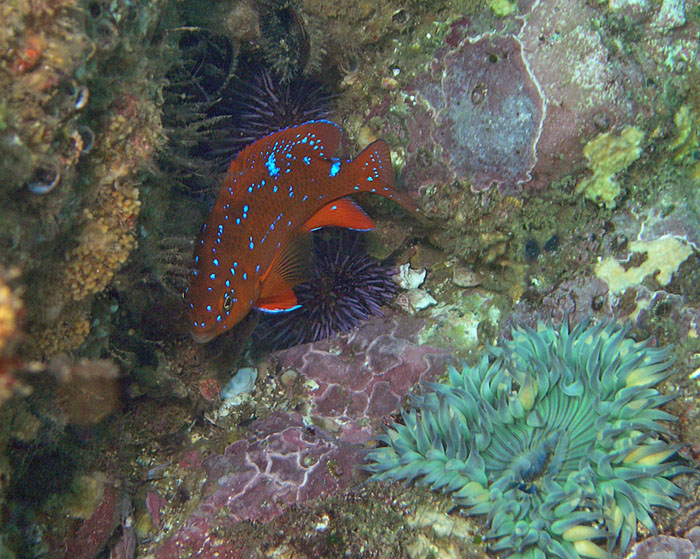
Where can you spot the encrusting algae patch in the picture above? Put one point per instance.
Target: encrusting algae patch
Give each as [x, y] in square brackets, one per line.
[607, 156]
[663, 255]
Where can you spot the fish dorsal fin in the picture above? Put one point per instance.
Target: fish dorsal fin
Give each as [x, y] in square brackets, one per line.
[291, 266]
[340, 213]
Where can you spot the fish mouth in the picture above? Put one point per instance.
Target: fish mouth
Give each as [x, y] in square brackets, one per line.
[201, 337]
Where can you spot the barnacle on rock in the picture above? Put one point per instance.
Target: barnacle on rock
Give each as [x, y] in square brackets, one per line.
[555, 436]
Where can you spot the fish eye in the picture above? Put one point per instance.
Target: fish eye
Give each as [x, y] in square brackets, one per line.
[228, 301]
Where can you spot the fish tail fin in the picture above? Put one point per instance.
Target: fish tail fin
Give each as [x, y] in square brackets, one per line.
[375, 174]
[375, 163]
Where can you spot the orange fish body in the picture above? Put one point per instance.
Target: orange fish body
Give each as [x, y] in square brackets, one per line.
[251, 251]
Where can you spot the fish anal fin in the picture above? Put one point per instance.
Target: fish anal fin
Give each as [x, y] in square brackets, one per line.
[340, 213]
[291, 266]
[279, 302]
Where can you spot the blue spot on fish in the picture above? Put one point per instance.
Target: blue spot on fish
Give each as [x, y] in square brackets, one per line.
[271, 165]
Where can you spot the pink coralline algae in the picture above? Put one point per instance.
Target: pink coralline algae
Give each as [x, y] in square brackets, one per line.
[283, 462]
[361, 378]
[287, 459]
[516, 106]
[487, 112]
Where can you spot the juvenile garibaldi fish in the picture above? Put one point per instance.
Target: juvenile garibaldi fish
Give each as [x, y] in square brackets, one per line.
[254, 247]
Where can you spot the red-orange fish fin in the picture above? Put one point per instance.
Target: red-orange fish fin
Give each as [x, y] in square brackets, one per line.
[371, 171]
[291, 266]
[340, 213]
[279, 302]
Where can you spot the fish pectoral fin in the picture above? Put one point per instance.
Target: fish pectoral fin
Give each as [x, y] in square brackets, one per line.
[291, 266]
[279, 302]
[340, 213]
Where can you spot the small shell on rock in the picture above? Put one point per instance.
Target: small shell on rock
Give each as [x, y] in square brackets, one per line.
[464, 277]
[408, 278]
[241, 383]
[415, 300]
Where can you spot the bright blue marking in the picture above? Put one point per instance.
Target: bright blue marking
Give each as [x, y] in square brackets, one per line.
[226, 217]
[192, 305]
[216, 262]
[334, 168]
[233, 272]
[369, 179]
[257, 268]
[238, 220]
[209, 308]
[209, 289]
[228, 283]
[221, 229]
[307, 160]
[195, 273]
[304, 198]
[274, 188]
[304, 139]
[251, 245]
[213, 276]
[218, 241]
[276, 311]
[196, 323]
[272, 226]
[250, 189]
[245, 276]
[271, 165]
[356, 187]
[196, 258]
[202, 324]
[245, 209]
[334, 207]
[235, 264]
[262, 182]
[218, 318]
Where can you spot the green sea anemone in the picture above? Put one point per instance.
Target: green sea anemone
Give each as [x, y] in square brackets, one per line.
[555, 436]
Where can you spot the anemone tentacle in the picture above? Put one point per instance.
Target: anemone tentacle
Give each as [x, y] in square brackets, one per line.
[554, 435]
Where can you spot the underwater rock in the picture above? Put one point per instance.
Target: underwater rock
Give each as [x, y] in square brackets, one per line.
[354, 381]
[514, 106]
[668, 547]
[282, 463]
[360, 378]
[484, 112]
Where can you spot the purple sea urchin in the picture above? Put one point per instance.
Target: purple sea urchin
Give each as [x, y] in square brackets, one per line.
[555, 436]
[258, 104]
[347, 286]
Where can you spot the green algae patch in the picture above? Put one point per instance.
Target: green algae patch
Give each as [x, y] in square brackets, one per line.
[503, 8]
[609, 154]
[661, 256]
